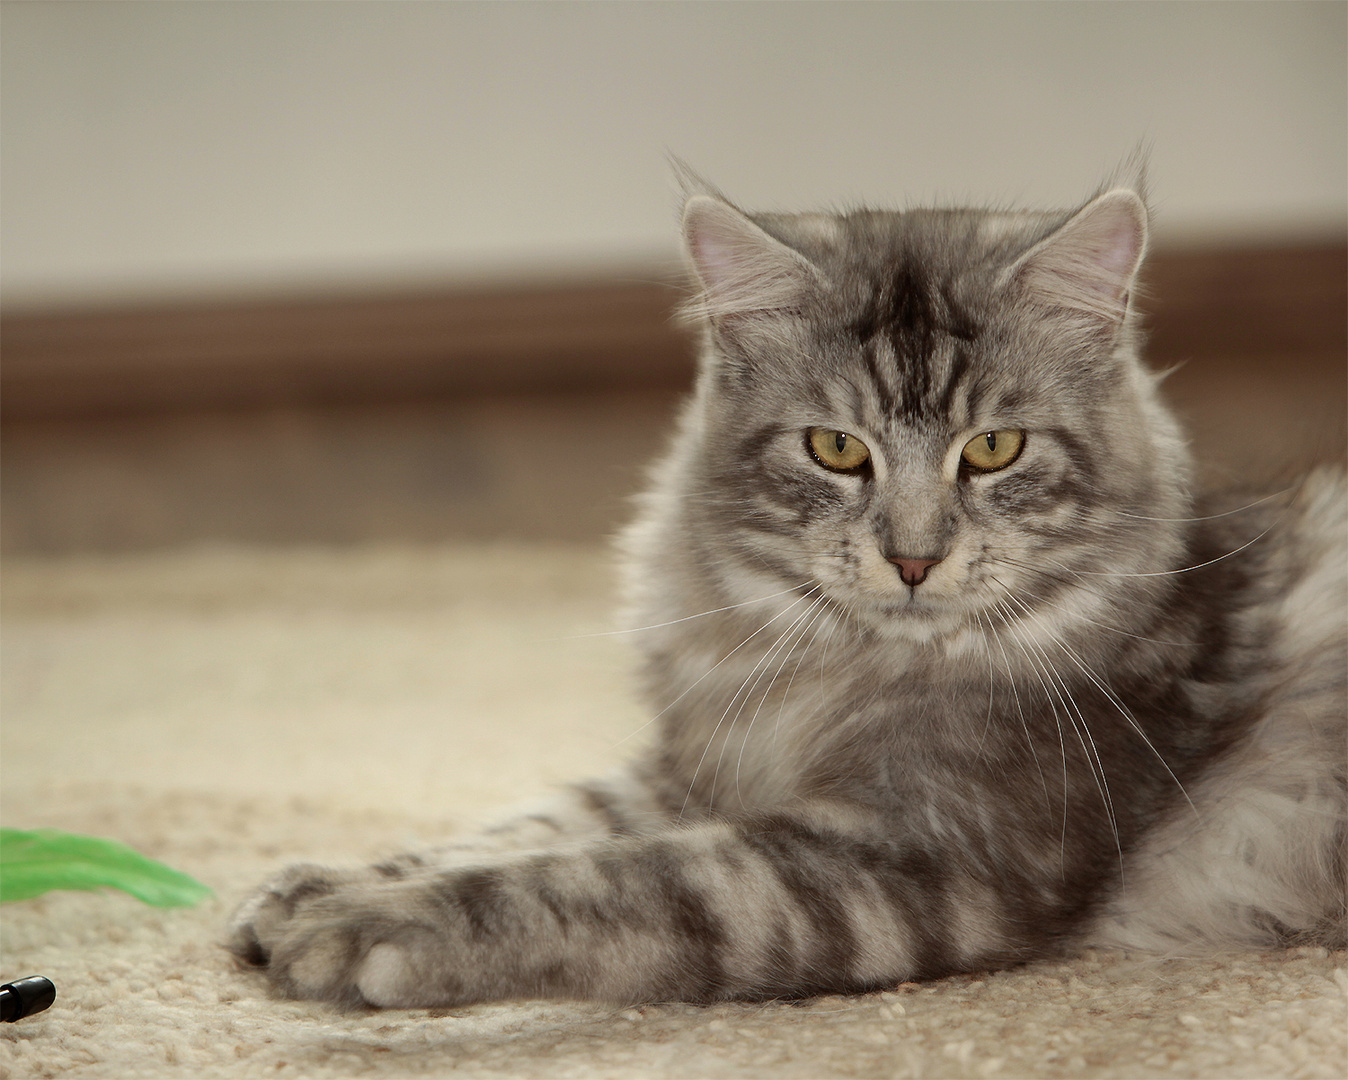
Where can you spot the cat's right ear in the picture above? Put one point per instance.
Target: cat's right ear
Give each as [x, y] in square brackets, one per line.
[1089, 264]
[742, 270]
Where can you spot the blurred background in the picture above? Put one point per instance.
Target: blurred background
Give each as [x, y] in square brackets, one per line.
[334, 273]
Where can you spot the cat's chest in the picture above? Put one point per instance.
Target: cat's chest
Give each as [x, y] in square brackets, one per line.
[764, 726]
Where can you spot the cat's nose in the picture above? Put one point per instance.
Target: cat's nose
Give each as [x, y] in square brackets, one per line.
[912, 571]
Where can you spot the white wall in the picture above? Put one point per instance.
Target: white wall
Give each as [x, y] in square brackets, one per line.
[153, 148]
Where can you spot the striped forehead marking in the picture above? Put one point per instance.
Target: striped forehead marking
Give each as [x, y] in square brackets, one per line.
[905, 320]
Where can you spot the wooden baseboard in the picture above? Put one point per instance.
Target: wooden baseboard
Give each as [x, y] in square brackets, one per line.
[334, 350]
[1271, 301]
[617, 334]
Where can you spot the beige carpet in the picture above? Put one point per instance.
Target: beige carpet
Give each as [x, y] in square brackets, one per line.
[229, 711]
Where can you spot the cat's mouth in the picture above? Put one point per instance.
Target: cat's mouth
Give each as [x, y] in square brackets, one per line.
[912, 617]
[912, 607]
[900, 600]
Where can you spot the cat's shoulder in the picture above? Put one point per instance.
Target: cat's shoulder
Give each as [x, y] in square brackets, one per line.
[1296, 555]
[1310, 526]
[1296, 526]
[1315, 556]
[1277, 559]
[1321, 505]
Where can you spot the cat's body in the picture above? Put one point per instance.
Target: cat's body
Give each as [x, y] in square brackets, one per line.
[950, 669]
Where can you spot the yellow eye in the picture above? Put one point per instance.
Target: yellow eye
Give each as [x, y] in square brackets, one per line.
[993, 450]
[837, 449]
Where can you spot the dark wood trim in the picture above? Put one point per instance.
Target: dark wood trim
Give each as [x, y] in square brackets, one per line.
[1271, 301]
[341, 349]
[1275, 301]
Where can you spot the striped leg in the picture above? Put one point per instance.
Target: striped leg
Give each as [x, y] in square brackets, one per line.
[614, 806]
[780, 905]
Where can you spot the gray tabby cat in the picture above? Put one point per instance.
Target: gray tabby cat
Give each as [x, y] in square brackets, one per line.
[951, 670]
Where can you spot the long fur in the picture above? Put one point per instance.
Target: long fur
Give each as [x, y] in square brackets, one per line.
[1112, 712]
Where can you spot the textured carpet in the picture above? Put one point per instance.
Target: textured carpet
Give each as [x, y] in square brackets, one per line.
[230, 711]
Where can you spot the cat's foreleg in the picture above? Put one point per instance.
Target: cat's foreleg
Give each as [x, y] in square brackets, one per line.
[780, 905]
[618, 805]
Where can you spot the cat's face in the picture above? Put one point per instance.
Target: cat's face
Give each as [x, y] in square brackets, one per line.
[927, 434]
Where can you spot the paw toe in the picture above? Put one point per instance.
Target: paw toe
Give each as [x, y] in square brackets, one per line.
[243, 943]
[317, 969]
[385, 976]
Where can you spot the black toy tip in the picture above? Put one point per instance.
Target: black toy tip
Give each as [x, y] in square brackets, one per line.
[24, 997]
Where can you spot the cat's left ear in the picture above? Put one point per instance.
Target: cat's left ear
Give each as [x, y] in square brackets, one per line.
[743, 271]
[1088, 265]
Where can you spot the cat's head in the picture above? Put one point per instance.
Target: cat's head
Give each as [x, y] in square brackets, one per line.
[938, 416]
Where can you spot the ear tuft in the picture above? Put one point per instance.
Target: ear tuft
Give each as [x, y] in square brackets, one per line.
[742, 269]
[1089, 264]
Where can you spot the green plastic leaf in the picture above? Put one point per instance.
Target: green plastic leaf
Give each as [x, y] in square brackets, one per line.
[32, 863]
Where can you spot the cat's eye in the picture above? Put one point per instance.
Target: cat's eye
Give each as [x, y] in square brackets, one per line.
[837, 450]
[993, 450]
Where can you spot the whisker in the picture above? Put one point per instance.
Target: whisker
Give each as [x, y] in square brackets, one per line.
[1015, 694]
[1105, 689]
[1211, 517]
[766, 659]
[711, 669]
[781, 709]
[1103, 626]
[987, 724]
[1010, 616]
[689, 618]
[811, 613]
[823, 657]
[782, 647]
[1113, 698]
[1093, 757]
[1180, 570]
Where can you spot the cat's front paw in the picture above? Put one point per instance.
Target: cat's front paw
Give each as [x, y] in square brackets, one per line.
[260, 919]
[348, 937]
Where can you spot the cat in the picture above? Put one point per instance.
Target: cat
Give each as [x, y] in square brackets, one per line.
[951, 669]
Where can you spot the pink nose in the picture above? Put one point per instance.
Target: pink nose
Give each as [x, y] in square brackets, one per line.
[913, 571]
